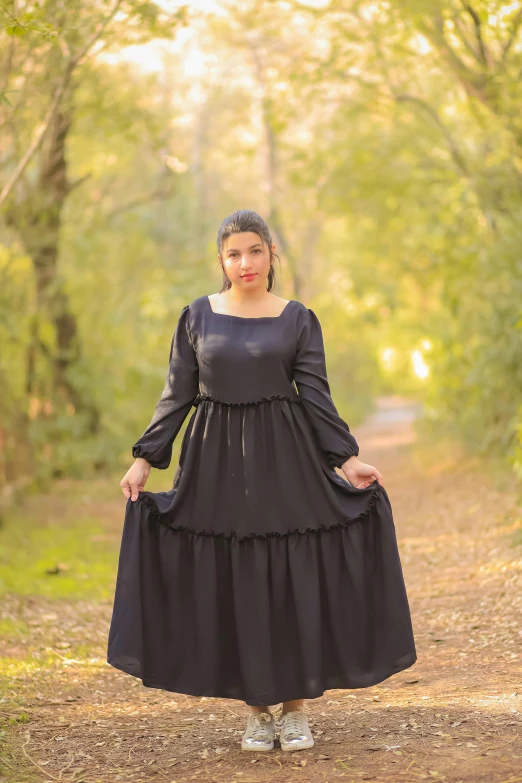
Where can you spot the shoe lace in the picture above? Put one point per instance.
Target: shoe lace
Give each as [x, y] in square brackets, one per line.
[292, 723]
[257, 728]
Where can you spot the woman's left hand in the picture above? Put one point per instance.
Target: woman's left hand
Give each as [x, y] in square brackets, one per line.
[360, 474]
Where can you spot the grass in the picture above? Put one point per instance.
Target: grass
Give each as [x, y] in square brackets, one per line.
[81, 553]
[56, 550]
[10, 628]
[62, 545]
[75, 531]
[516, 537]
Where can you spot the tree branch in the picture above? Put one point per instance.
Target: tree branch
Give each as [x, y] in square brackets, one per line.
[457, 21]
[43, 127]
[77, 182]
[517, 22]
[455, 152]
[484, 54]
[472, 82]
[38, 137]
[96, 35]
[160, 193]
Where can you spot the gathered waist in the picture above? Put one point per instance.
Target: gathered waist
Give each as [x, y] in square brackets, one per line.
[282, 397]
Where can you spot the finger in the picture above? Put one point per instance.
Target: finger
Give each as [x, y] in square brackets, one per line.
[125, 488]
[135, 491]
[377, 476]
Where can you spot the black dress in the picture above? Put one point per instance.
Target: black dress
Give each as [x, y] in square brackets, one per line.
[262, 575]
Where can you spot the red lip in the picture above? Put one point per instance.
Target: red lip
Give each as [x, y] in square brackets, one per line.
[253, 274]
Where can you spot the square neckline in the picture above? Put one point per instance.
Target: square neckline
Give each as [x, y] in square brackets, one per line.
[248, 317]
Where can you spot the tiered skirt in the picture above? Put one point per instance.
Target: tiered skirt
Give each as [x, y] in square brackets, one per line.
[262, 575]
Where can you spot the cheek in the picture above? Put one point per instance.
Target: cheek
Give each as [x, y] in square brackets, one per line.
[231, 269]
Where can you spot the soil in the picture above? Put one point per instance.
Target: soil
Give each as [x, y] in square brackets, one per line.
[455, 716]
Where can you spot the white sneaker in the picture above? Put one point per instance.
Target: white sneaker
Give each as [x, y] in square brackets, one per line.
[260, 732]
[295, 732]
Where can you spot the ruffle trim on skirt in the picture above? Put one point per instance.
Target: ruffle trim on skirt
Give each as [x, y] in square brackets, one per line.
[158, 518]
[263, 622]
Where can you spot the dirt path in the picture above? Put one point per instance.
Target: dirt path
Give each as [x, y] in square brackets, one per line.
[456, 715]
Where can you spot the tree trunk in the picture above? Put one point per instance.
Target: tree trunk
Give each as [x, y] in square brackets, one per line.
[38, 220]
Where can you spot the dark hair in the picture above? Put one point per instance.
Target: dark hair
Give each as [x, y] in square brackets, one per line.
[245, 220]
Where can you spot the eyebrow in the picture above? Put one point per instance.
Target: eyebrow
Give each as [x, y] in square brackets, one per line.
[235, 250]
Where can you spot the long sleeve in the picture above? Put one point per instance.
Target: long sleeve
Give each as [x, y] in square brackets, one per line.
[181, 388]
[309, 374]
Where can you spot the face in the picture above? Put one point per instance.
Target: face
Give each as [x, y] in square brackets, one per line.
[246, 260]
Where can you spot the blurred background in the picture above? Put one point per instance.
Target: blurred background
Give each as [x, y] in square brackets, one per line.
[382, 143]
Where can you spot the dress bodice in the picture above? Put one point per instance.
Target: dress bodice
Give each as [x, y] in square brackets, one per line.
[241, 359]
[229, 360]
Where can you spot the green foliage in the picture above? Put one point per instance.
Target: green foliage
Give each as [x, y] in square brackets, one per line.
[382, 141]
[10, 628]
[23, 717]
[516, 537]
[76, 548]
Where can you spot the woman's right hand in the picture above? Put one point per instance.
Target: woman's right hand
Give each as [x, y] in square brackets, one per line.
[135, 479]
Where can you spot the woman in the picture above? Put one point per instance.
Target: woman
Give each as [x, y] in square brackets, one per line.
[262, 575]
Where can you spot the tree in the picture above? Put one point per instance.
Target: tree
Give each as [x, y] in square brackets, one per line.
[48, 48]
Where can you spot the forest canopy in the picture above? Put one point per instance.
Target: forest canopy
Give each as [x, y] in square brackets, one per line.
[381, 141]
